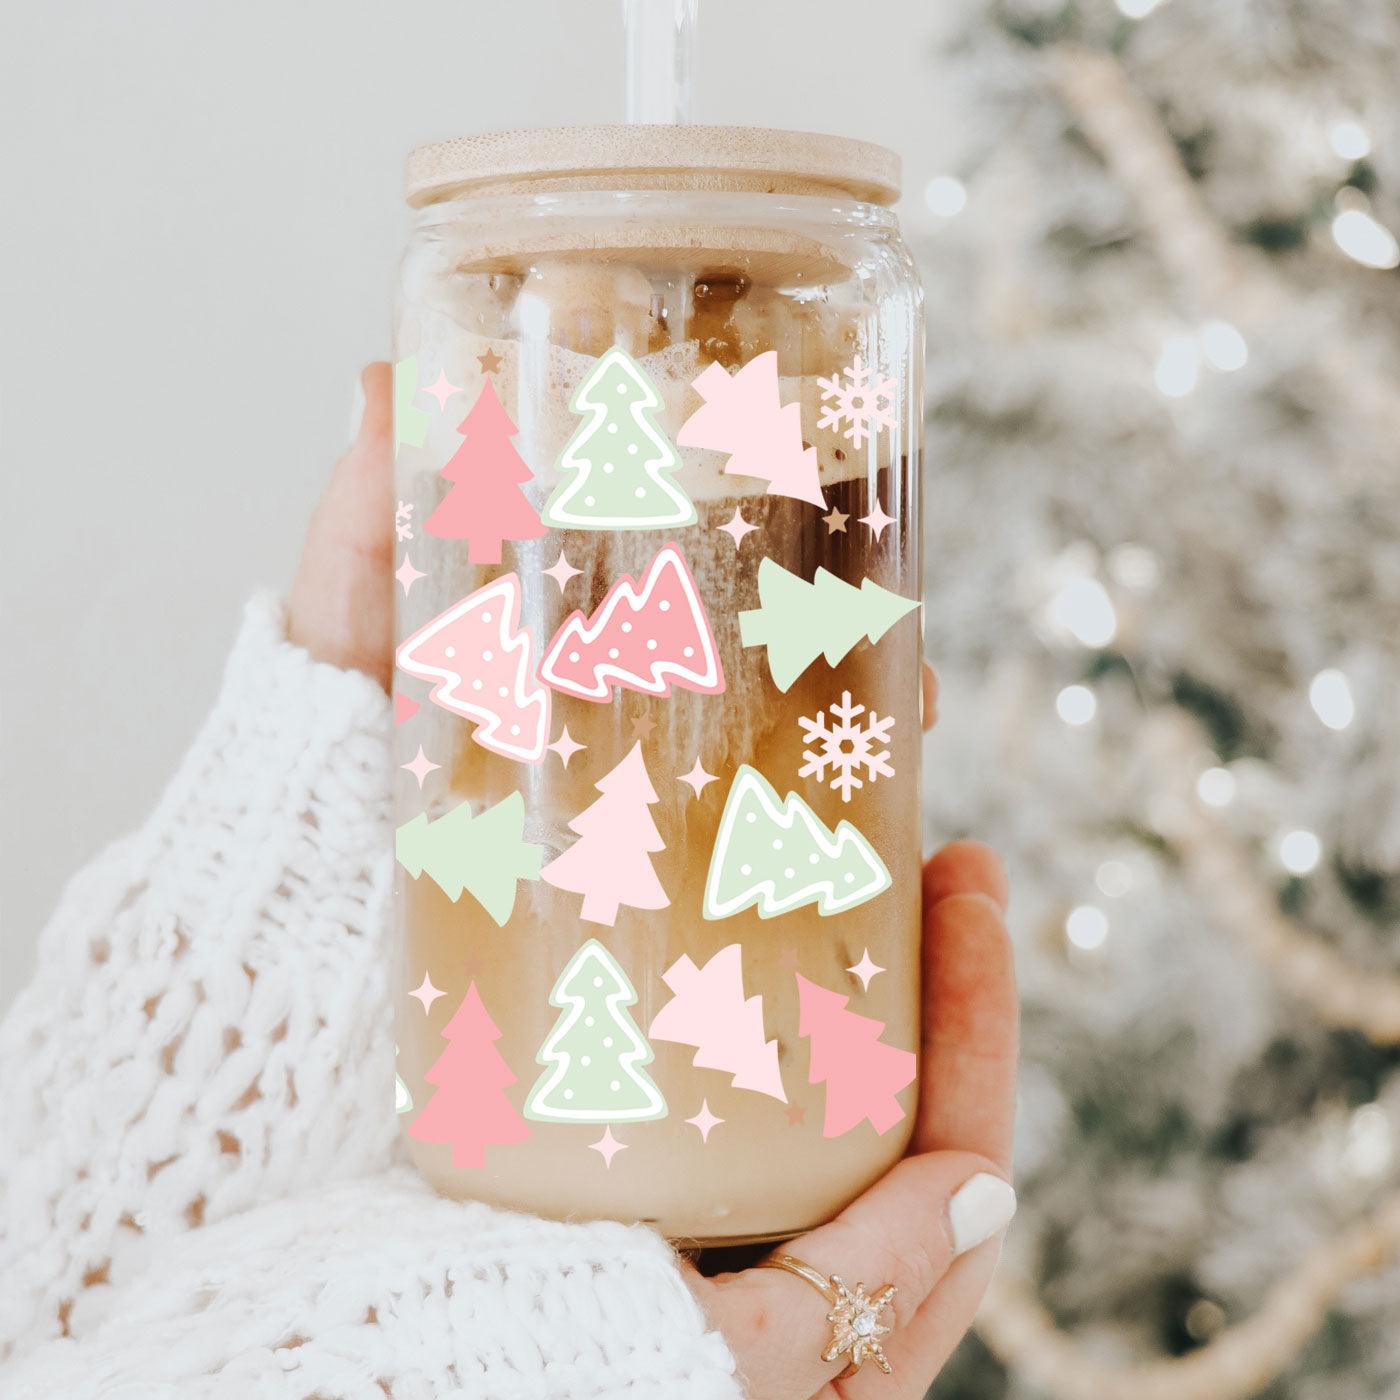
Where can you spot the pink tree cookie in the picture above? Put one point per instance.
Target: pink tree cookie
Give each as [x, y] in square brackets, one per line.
[610, 863]
[469, 1108]
[742, 415]
[862, 1074]
[478, 657]
[485, 504]
[709, 1011]
[643, 637]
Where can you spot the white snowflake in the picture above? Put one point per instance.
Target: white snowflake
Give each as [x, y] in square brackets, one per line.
[846, 746]
[863, 405]
[403, 521]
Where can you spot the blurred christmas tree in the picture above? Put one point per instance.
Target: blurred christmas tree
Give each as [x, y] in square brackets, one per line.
[1164, 584]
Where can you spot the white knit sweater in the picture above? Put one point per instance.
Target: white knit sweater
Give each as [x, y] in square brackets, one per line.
[203, 1194]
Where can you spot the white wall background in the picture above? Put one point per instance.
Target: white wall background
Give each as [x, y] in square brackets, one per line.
[199, 220]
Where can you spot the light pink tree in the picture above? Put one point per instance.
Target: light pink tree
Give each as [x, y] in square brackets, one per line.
[610, 863]
[485, 505]
[709, 1011]
[469, 1108]
[743, 416]
[863, 1075]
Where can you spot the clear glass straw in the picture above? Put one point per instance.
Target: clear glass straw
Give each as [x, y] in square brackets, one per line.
[660, 59]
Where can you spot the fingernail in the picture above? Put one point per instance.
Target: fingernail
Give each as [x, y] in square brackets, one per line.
[980, 1207]
[357, 410]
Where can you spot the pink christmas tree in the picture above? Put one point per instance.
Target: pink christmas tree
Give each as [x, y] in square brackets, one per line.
[743, 416]
[862, 1074]
[469, 1107]
[643, 636]
[485, 505]
[610, 863]
[709, 1011]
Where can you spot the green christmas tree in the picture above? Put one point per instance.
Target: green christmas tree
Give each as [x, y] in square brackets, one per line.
[798, 621]
[410, 421]
[619, 463]
[777, 855]
[595, 1053]
[484, 855]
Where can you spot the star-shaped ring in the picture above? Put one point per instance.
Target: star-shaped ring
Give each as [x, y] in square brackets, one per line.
[855, 1316]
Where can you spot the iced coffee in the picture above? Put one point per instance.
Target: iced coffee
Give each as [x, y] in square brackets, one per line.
[657, 440]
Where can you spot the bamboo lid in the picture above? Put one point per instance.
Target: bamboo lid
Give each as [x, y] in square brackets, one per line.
[653, 157]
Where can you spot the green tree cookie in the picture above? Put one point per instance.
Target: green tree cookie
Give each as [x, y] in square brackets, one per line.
[595, 1053]
[619, 463]
[777, 855]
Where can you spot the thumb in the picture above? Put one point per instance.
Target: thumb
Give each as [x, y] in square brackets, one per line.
[341, 605]
[905, 1232]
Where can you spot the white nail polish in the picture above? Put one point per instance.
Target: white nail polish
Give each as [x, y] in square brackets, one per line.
[357, 411]
[981, 1206]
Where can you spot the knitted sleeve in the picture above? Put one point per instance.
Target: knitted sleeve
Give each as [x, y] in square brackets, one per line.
[195, 1169]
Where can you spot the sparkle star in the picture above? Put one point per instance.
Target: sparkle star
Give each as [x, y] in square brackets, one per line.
[490, 362]
[427, 993]
[737, 528]
[641, 728]
[877, 520]
[561, 571]
[865, 969]
[796, 1114]
[408, 575]
[705, 1120]
[698, 778]
[442, 389]
[420, 767]
[607, 1147]
[566, 746]
[835, 522]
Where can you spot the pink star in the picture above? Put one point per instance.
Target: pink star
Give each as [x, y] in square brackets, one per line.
[705, 1120]
[427, 993]
[561, 571]
[442, 390]
[607, 1146]
[877, 520]
[566, 746]
[698, 778]
[835, 522]
[737, 528]
[865, 969]
[787, 958]
[420, 767]
[408, 575]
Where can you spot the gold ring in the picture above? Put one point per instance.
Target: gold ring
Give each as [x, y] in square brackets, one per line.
[855, 1314]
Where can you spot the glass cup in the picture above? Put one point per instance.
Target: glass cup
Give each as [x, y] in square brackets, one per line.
[658, 425]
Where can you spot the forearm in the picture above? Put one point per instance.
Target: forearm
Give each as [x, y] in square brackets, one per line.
[380, 1287]
[210, 994]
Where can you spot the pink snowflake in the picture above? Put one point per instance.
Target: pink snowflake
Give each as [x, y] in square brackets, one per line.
[861, 404]
[846, 747]
[403, 521]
